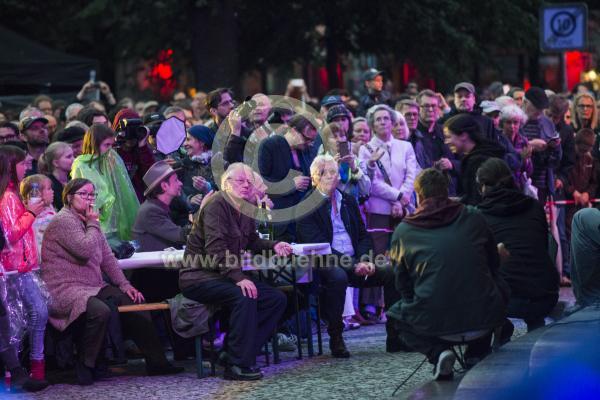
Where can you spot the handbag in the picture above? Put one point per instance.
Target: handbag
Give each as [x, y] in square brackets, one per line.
[121, 248]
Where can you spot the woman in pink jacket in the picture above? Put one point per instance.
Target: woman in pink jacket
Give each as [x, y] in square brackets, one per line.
[392, 165]
[20, 253]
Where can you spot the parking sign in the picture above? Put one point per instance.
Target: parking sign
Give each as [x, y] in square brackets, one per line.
[563, 27]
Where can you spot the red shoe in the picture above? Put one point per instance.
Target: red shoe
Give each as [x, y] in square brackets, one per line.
[38, 370]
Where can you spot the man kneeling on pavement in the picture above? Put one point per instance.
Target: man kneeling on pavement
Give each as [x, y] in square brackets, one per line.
[446, 264]
[336, 220]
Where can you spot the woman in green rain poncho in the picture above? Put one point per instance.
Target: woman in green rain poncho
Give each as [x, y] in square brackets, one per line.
[115, 200]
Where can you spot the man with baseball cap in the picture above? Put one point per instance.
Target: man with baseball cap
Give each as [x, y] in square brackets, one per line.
[465, 103]
[373, 80]
[35, 134]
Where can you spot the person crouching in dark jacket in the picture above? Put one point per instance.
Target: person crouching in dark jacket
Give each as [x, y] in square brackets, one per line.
[519, 222]
[443, 294]
[463, 135]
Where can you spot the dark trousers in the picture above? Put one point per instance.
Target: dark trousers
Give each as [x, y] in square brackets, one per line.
[532, 311]
[384, 276]
[251, 321]
[332, 283]
[432, 346]
[92, 325]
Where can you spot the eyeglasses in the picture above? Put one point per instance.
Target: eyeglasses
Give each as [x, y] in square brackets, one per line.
[241, 181]
[585, 106]
[86, 195]
[432, 106]
[332, 172]
[227, 103]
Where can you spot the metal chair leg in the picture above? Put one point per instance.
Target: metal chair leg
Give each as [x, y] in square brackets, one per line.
[199, 364]
[296, 301]
[319, 334]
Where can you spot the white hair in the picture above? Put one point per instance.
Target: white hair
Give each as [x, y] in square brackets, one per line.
[318, 165]
[513, 112]
[504, 101]
[231, 170]
[77, 123]
[72, 110]
[371, 114]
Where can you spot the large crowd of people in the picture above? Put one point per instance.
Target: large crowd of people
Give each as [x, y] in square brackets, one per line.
[437, 210]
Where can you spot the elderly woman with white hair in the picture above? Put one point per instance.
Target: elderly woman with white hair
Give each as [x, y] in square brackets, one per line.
[392, 166]
[221, 235]
[512, 119]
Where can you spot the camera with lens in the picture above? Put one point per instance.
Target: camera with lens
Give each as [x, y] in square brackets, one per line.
[131, 129]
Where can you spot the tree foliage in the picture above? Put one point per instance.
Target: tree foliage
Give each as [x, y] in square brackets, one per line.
[443, 39]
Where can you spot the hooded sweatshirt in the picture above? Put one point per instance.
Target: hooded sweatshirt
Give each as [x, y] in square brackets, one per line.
[470, 164]
[445, 264]
[519, 222]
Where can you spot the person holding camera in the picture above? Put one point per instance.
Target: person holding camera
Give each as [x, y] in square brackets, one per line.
[248, 125]
[92, 90]
[133, 148]
[336, 142]
[115, 200]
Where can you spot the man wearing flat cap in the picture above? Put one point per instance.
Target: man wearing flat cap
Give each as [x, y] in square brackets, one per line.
[373, 80]
[35, 134]
[544, 140]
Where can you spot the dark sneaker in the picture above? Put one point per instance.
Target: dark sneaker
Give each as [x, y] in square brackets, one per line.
[338, 346]
[85, 375]
[444, 369]
[396, 345]
[21, 382]
[237, 373]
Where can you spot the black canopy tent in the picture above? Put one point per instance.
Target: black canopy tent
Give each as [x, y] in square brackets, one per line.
[28, 67]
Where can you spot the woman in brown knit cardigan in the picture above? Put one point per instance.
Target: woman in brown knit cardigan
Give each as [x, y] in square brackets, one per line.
[75, 254]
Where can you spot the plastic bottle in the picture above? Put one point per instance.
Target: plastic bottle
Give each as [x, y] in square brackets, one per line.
[35, 194]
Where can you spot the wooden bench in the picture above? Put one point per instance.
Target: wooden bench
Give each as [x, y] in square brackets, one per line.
[165, 307]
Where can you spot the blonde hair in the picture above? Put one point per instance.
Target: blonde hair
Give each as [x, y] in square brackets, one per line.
[55, 151]
[577, 124]
[28, 182]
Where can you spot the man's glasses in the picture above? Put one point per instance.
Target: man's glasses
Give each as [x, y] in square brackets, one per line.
[429, 106]
[241, 181]
[227, 103]
[331, 172]
[86, 195]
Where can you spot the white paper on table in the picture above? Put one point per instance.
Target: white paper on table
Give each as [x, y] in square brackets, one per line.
[306, 249]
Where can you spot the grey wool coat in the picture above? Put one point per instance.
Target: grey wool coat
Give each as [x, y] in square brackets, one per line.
[74, 256]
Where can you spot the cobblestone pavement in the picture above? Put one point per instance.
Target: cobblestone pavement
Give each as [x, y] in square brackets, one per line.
[369, 373]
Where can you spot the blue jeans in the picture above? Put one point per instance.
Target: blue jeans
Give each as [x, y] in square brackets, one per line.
[35, 308]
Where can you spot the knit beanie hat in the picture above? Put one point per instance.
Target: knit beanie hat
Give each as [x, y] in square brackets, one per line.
[203, 134]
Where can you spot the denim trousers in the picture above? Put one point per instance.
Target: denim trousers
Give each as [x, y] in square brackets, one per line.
[35, 310]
